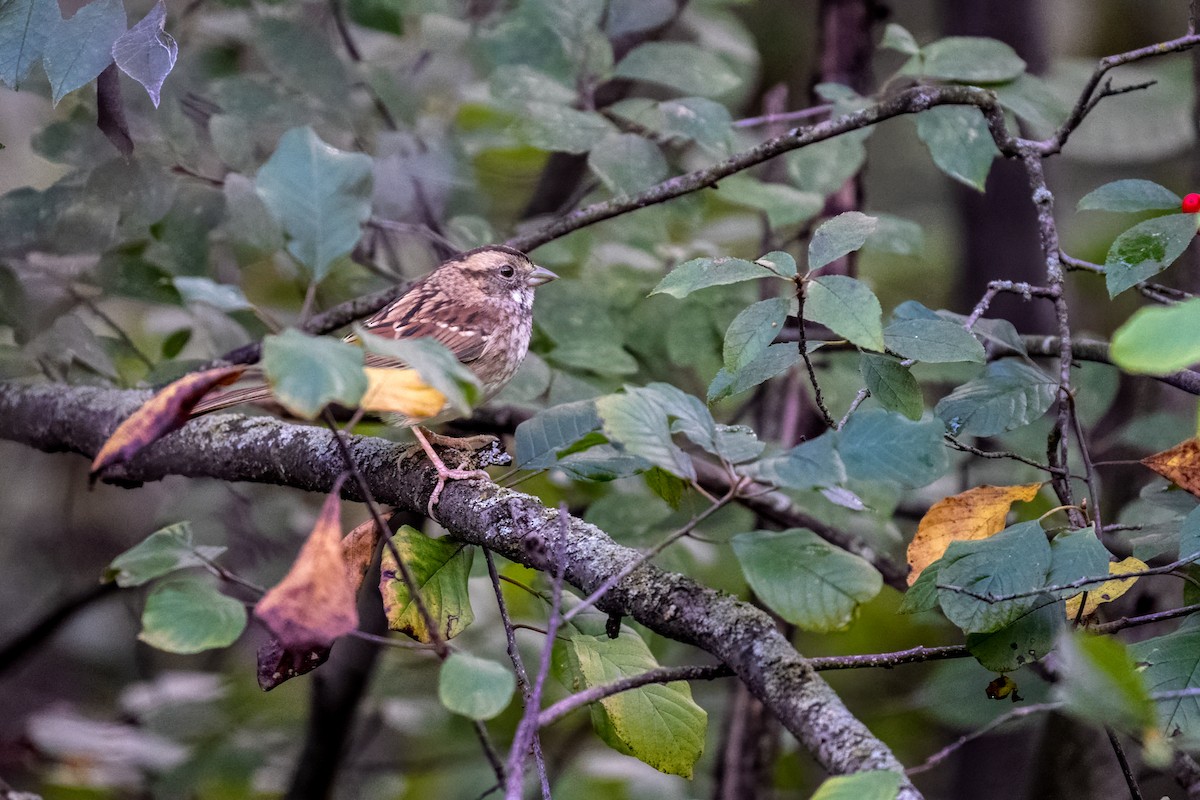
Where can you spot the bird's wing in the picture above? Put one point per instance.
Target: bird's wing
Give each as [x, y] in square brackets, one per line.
[466, 341]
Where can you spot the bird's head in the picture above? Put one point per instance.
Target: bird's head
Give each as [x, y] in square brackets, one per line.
[500, 273]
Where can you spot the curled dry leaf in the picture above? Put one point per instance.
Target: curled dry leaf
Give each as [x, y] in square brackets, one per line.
[975, 514]
[315, 602]
[165, 412]
[1107, 591]
[277, 664]
[1180, 465]
[401, 391]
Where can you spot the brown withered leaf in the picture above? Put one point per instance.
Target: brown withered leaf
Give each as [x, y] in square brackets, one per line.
[1107, 591]
[401, 391]
[1180, 465]
[276, 664]
[358, 548]
[314, 603]
[975, 514]
[165, 412]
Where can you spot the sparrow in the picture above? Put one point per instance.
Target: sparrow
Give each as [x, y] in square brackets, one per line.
[479, 305]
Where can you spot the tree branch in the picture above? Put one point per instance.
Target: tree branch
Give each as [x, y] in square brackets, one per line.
[58, 418]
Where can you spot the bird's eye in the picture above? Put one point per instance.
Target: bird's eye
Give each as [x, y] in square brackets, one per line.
[507, 271]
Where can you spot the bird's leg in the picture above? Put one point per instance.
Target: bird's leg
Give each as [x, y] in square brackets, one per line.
[444, 473]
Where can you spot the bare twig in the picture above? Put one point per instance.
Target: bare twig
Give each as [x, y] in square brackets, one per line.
[595, 693]
[1135, 792]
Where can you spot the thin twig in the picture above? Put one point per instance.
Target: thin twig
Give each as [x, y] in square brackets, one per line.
[966, 448]
[661, 675]
[801, 293]
[1076, 584]
[528, 727]
[1135, 792]
[786, 116]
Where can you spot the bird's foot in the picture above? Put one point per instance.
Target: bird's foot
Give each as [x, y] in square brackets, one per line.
[444, 473]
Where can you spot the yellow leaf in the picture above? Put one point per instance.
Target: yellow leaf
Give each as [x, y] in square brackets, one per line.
[401, 391]
[314, 603]
[1107, 591]
[975, 514]
[1180, 465]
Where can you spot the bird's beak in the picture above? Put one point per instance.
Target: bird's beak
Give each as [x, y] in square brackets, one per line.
[539, 276]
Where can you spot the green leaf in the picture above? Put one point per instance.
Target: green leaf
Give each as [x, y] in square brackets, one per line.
[775, 360]
[847, 307]
[897, 235]
[381, 15]
[1157, 340]
[691, 417]
[321, 196]
[689, 68]
[165, 551]
[550, 126]
[1015, 560]
[79, 48]
[838, 236]
[923, 594]
[25, 28]
[307, 373]
[825, 166]
[1035, 101]
[738, 443]
[665, 486]
[933, 341]
[191, 616]
[967, 59]
[959, 142]
[522, 83]
[1147, 249]
[659, 724]
[1100, 683]
[1172, 663]
[540, 439]
[222, 296]
[637, 424]
[804, 579]
[1132, 194]
[701, 273]
[752, 331]
[896, 37]
[809, 465]
[705, 122]
[892, 385]
[873, 785]
[627, 163]
[436, 365]
[174, 343]
[879, 445]
[779, 262]
[477, 688]
[783, 204]
[1075, 555]
[440, 569]
[1021, 642]
[1009, 395]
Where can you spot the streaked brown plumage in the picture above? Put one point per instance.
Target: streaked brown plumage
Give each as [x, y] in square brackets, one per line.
[478, 304]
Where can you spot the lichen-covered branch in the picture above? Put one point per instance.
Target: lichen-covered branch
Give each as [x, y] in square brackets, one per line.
[78, 419]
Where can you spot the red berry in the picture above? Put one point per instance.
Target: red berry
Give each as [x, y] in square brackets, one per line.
[1191, 203]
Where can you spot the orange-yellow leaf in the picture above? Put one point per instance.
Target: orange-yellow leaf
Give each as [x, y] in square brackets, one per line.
[401, 391]
[1002, 687]
[975, 514]
[314, 603]
[165, 412]
[358, 548]
[1180, 465]
[1107, 591]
